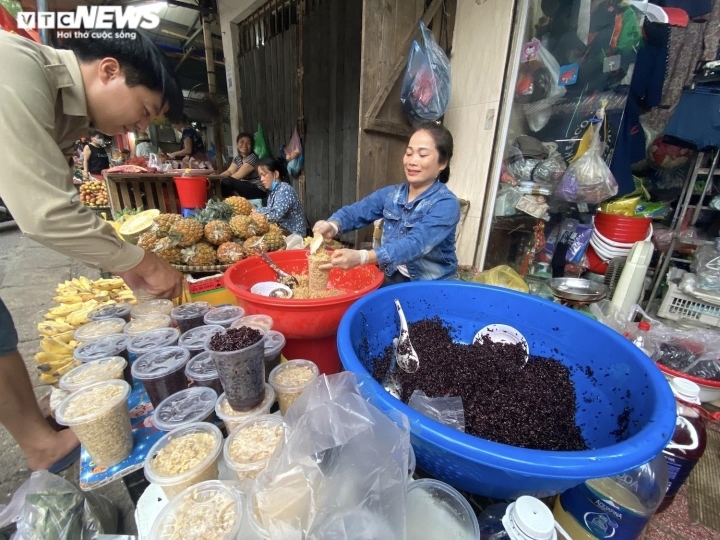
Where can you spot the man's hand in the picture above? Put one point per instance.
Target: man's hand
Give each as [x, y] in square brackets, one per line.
[154, 276]
[346, 259]
[326, 229]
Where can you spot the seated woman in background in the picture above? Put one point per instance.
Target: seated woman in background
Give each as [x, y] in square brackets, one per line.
[283, 204]
[420, 216]
[192, 144]
[241, 177]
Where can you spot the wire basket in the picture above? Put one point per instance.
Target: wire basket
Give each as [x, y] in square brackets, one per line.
[678, 306]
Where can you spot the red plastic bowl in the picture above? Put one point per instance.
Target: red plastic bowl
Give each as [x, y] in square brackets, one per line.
[709, 390]
[595, 263]
[309, 326]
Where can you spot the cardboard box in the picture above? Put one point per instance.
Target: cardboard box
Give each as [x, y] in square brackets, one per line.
[210, 289]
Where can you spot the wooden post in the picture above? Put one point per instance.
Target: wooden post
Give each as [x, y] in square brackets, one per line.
[300, 95]
[212, 90]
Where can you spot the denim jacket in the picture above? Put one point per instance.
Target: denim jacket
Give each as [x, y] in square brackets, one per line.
[420, 234]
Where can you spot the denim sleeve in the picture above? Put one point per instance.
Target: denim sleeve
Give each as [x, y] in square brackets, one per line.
[363, 212]
[438, 223]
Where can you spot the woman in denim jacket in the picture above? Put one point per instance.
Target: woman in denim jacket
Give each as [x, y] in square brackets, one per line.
[419, 216]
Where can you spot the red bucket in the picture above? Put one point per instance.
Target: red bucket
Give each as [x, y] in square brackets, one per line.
[595, 263]
[192, 191]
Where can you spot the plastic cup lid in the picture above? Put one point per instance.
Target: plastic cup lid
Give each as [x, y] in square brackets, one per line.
[111, 345]
[207, 506]
[291, 364]
[260, 319]
[269, 421]
[97, 329]
[449, 499]
[274, 343]
[145, 324]
[110, 312]
[685, 390]
[223, 315]
[152, 307]
[153, 339]
[101, 407]
[201, 367]
[91, 372]
[184, 407]
[196, 338]
[528, 517]
[159, 362]
[190, 310]
[224, 412]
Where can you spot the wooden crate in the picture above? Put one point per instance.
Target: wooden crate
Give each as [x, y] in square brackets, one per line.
[149, 191]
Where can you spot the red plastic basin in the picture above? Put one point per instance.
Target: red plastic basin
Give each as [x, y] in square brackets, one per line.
[309, 326]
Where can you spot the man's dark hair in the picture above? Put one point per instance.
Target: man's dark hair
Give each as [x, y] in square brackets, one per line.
[244, 135]
[142, 62]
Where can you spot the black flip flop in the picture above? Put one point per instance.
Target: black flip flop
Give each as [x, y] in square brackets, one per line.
[64, 463]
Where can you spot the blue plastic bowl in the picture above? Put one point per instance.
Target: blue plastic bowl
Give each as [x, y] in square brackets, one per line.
[609, 372]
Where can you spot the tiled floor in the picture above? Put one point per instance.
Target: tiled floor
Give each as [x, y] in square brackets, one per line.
[675, 523]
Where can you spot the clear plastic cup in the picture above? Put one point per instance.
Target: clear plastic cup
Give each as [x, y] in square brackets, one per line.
[202, 371]
[209, 509]
[162, 372]
[242, 372]
[266, 321]
[289, 380]
[195, 340]
[224, 315]
[185, 407]
[120, 310]
[97, 329]
[232, 418]
[437, 510]
[145, 324]
[158, 306]
[249, 446]
[274, 343]
[151, 340]
[104, 347]
[93, 372]
[184, 457]
[99, 416]
[190, 315]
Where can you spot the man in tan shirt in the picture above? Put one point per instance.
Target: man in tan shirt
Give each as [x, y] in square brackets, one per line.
[47, 99]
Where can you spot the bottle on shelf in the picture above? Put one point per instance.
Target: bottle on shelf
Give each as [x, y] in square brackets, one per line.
[641, 337]
[688, 442]
[525, 519]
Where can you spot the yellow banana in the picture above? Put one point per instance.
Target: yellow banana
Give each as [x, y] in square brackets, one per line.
[48, 378]
[53, 345]
[67, 337]
[67, 367]
[85, 284]
[64, 310]
[80, 317]
[53, 360]
[101, 296]
[53, 328]
[109, 284]
[68, 299]
[87, 296]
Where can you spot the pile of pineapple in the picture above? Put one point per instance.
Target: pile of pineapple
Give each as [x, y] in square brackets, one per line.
[223, 232]
[76, 299]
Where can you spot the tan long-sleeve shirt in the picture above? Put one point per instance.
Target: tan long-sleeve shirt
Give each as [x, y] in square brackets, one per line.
[43, 112]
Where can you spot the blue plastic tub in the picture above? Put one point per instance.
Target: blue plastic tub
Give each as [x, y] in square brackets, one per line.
[619, 376]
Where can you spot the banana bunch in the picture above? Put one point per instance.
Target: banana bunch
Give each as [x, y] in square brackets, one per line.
[55, 358]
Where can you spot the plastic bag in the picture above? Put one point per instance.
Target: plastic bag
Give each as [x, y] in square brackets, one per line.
[538, 113]
[502, 276]
[426, 87]
[294, 155]
[446, 410]
[260, 145]
[49, 507]
[549, 171]
[588, 179]
[340, 472]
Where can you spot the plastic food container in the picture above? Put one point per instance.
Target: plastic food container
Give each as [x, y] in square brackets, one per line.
[201, 371]
[289, 380]
[104, 347]
[274, 343]
[145, 324]
[100, 328]
[185, 407]
[150, 340]
[190, 315]
[184, 457]
[437, 510]
[224, 315]
[266, 321]
[158, 306]
[162, 372]
[249, 447]
[93, 372]
[195, 340]
[232, 418]
[99, 416]
[207, 510]
[120, 310]
[242, 373]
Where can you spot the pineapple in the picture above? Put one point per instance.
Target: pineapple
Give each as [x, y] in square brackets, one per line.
[186, 232]
[253, 244]
[218, 232]
[273, 241]
[200, 254]
[243, 226]
[230, 252]
[166, 249]
[214, 210]
[162, 224]
[240, 205]
[275, 228]
[147, 241]
[262, 223]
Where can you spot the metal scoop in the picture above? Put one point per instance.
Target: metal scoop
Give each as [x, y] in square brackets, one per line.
[283, 277]
[405, 354]
[502, 333]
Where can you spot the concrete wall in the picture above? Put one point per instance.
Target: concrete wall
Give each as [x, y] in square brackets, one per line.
[479, 55]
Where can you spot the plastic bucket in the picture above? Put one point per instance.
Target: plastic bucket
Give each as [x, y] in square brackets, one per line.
[192, 191]
[595, 263]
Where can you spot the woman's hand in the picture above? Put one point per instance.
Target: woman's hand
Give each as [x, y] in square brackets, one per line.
[346, 259]
[326, 228]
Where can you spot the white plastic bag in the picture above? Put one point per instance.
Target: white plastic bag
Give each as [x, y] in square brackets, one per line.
[538, 113]
[341, 470]
[446, 410]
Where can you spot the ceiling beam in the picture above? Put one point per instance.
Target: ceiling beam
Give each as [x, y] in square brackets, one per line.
[201, 9]
[192, 37]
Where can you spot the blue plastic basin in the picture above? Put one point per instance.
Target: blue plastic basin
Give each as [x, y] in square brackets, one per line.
[619, 376]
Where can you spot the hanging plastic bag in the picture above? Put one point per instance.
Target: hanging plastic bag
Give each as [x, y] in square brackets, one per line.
[545, 76]
[294, 155]
[426, 87]
[502, 276]
[261, 148]
[589, 180]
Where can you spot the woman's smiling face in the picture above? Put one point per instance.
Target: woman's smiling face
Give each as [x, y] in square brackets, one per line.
[422, 160]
